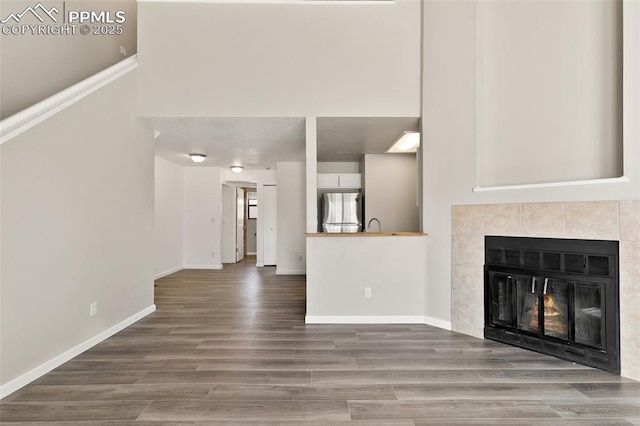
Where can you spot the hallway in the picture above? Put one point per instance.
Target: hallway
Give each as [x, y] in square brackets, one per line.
[230, 347]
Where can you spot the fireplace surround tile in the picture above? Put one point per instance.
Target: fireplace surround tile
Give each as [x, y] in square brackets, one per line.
[630, 220]
[464, 292]
[629, 335]
[630, 262]
[502, 219]
[467, 219]
[593, 220]
[467, 249]
[544, 220]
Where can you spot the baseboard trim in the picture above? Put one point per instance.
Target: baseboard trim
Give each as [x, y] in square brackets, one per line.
[377, 319]
[291, 272]
[168, 272]
[219, 266]
[57, 361]
[435, 322]
[251, 253]
[364, 319]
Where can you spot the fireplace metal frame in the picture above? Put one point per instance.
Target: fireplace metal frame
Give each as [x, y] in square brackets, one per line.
[516, 255]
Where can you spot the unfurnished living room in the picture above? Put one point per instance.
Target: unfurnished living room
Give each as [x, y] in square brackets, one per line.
[320, 212]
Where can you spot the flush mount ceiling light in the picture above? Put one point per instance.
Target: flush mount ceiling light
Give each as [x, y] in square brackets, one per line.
[197, 158]
[406, 142]
[237, 169]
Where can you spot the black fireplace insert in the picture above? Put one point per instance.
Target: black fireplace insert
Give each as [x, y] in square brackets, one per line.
[555, 296]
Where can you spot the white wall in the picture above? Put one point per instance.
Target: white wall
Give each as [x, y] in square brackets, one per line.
[169, 212]
[77, 227]
[340, 268]
[549, 99]
[449, 136]
[202, 218]
[291, 258]
[353, 60]
[390, 191]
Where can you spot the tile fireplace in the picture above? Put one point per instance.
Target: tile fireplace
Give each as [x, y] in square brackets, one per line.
[555, 296]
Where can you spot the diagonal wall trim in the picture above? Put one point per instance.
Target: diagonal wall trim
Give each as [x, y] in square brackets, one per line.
[22, 121]
[57, 361]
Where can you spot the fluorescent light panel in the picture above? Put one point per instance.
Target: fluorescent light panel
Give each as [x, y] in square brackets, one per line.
[406, 142]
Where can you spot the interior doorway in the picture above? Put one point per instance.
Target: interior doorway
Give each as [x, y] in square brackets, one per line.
[241, 224]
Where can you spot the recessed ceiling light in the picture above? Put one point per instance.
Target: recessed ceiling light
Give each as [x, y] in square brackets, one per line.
[197, 158]
[237, 169]
[406, 142]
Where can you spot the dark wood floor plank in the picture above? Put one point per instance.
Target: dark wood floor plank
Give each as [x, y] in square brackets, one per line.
[535, 391]
[393, 377]
[312, 423]
[280, 364]
[59, 377]
[114, 392]
[470, 409]
[520, 422]
[248, 411]
[596, 408]
[609, 390]
[549, 376]
[71, 411]
[240, 377]
[301, 393]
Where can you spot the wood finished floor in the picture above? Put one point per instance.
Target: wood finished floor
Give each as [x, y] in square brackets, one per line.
[230, 347]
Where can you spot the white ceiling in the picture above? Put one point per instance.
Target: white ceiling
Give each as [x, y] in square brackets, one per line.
[347, 138]
[255, 143]
[260, 143]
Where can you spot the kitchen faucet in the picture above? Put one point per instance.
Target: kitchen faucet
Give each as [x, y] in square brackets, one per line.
[379, 225]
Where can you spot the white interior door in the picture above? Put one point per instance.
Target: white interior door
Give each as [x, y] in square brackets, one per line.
[240, 212]
[269, 212]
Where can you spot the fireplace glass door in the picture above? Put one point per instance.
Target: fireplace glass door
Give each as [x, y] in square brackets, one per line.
[589, 306]
[527, 303]
[555, 297]
[501, 299]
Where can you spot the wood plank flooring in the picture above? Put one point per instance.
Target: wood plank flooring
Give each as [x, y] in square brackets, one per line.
[230, 347]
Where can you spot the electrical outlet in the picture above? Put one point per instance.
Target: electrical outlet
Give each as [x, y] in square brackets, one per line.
[367, 292]
[213, 254]
[123, 51]
[299, 258]
[93, 309]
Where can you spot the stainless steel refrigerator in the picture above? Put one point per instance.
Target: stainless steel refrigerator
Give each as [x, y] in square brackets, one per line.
[341, 212]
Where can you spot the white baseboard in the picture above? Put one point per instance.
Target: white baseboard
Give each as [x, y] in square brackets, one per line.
[446, 325]
[19, 382]
[377, 319]
[291, 271]
[218, 266]
[167, 272]
[252, 253]
[364, 319]
[260, 265]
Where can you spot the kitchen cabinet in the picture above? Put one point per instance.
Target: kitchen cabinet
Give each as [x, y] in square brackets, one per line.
[339, 180]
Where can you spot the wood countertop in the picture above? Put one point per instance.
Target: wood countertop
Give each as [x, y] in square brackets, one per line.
[365, 234]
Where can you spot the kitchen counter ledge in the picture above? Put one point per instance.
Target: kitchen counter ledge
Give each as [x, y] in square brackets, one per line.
[365, 234]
